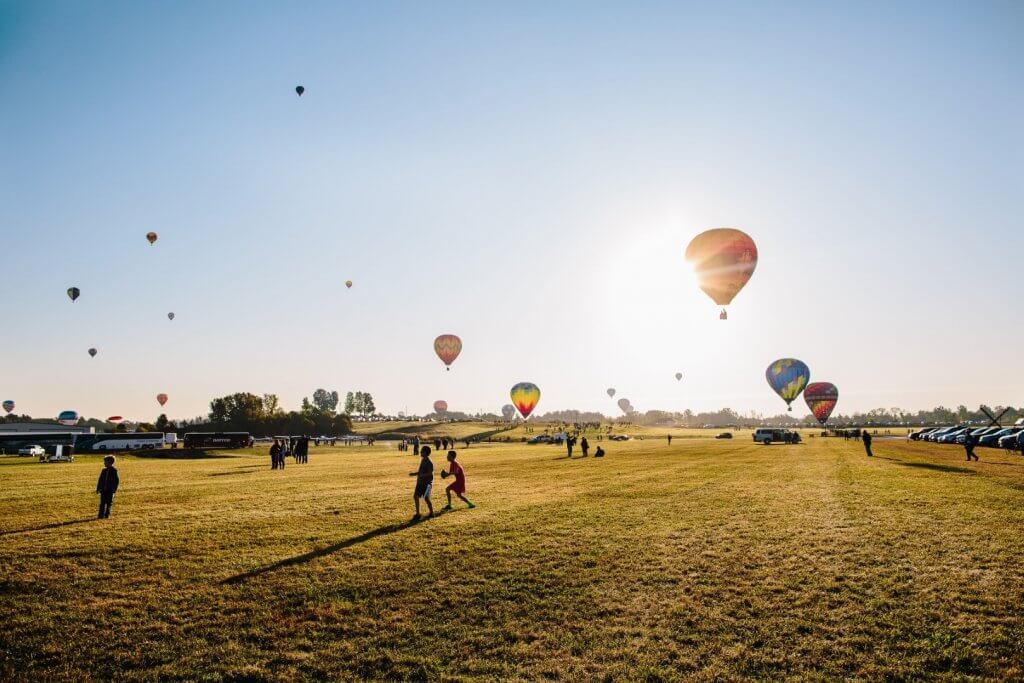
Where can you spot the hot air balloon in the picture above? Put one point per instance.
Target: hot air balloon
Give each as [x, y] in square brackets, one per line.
[448, 347]
[161, 399]
[440, 406]
[8, 406]
[525, 396]
[724, 259]
[348, 283]
[115, 419]
[611, 392]
[73, 292]
[68, 418]
[508, 411]
[679, 376]
[152, 237]
[821, 398]
[787, 377]
[170, 316]
[92, 352]
[299, 89]
[625, 406]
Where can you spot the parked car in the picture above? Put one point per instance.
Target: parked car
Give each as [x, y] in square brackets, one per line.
[619, 437]
[1012, 442]
[724, 435]
[992, 439]
[976, 433]
[950, 437]
[768, 435]
[921, 433]
[938, 433]
[34, 450]
[540, 438]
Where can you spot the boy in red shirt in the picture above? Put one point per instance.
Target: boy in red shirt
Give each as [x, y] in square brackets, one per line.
[458, 487]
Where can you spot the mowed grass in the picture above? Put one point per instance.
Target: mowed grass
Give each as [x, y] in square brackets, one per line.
[706, 560]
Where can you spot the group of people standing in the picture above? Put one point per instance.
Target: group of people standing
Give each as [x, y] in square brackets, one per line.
[296, 446]
[570, 443]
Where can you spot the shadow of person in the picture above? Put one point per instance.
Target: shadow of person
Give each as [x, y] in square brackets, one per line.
[55, 525]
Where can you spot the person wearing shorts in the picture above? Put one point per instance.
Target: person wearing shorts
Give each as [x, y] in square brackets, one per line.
[458, 487]
[424, 482]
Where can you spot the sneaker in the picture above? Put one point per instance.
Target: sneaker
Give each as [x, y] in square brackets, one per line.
[470, 506]
[415, 518]
[447, 507]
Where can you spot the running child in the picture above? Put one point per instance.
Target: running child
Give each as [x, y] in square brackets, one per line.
[458, 487]
[424, 482]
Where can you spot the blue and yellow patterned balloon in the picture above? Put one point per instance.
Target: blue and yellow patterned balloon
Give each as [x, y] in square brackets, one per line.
[787, 377]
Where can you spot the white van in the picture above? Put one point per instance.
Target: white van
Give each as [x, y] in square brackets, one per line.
[768, 435]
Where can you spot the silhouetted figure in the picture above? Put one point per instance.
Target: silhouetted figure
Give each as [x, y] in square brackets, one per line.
[969, 446]
[107, 486]
[416, 445]
[424, 482]
[866, 438]
[669, 437]
[302, 450]
[599, 453]
[275, 454]
[568, 445]
[585, 446]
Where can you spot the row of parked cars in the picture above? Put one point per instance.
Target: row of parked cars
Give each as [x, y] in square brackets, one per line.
[1010, 438]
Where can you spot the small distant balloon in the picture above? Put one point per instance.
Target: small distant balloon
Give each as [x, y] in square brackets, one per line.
[152, 237]
[74, 293]
[724, 259]
[787, 377]
[170, 316]
[299, 90]
[161, 399]
[68, 418]
[679, 376]
[115, 419]
[508, 411]
[348, 283]
[8, 406]
[625, 406]
[821, 398]
[92, 352]
[448, 347]
[525, 397]
[440, 406]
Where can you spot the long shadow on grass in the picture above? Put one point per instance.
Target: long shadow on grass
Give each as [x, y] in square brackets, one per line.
[936, 467]
[326, 550]
[55, 525]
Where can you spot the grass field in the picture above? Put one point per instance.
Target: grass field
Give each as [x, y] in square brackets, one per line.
[706, 560]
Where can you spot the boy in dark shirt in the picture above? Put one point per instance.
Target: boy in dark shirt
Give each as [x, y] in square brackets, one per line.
[107, 486]
[424, 482]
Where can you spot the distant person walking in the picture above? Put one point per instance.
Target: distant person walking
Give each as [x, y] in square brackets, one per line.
[458, 487]
[568, 445]
[275, 454]
[107, 486]
[585, 446]
[302, 450]
[866, 438]
[416, 445]
[969, 446]
[424, 482]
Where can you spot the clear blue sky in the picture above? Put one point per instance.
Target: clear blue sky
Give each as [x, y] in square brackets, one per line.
[525, 175]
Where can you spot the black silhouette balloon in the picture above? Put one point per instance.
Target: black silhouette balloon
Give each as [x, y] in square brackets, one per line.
[73, 292]
[299, 89]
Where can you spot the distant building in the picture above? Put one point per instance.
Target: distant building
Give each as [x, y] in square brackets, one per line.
[42, 427]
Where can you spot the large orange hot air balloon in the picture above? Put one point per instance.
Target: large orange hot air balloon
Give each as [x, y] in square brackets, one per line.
[724, 259]
[448, 347]
[525, 396]
[161, 399]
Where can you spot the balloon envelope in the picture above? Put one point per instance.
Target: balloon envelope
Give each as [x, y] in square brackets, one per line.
[525, 397]
[348, 283]
[624, 405]
[679, 376]
[508, 411]
[299, 89]
[448, 347]
[724, 259]
[787, 377]
[68, 418]
[74, 293]
[92, 352]
[115, 419]
[611, 392]
[440, 406]
[821, 398]
[170, 316]
[8, 406]
[161, 399]
[152, 237]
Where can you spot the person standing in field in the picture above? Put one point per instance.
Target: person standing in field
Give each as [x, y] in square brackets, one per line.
[568, 445]
[669, 437]
[585, 446]
[416, 445]
[866, 438]
[458, 487]
[302, 450]
[969, 446]
[424, 482]
[275, 454]
[107, 486]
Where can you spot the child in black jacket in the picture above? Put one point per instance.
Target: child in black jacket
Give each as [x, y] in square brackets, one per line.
[107, 486]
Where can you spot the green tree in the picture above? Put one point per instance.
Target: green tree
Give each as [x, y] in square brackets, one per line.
[327, 401]
[271, 404]
[350, 403]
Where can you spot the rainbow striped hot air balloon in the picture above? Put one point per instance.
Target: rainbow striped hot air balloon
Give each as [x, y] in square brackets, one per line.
[525, 397]
[821, 398]
[787, 377]
[448, 347]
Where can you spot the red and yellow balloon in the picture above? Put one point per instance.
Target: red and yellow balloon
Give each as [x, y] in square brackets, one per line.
[724, 259]
[525, 397]
[448, 347]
